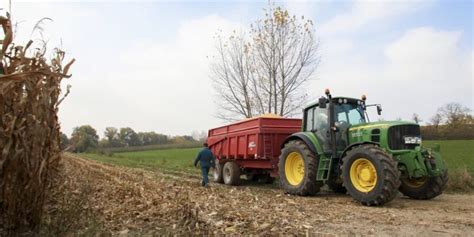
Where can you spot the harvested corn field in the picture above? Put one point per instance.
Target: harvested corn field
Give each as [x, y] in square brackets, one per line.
[134, 201]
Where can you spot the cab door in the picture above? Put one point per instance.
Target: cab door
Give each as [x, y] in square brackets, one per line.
[316, 121]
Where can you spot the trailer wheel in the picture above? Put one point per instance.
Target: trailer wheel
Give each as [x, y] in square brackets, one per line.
[370, 175]
[231, 173]
[297, 168]
[218, 176]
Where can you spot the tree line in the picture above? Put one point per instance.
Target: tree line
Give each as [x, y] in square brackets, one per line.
[85, 139]
[451, 121]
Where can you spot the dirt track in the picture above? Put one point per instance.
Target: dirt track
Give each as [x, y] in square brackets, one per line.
[134, 201]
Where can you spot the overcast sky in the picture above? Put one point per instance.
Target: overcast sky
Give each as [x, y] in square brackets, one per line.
[144, 64]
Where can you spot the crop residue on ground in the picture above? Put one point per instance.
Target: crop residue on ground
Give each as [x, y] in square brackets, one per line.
[135, 201]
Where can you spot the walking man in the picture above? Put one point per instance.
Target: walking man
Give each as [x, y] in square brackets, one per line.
[207, 160]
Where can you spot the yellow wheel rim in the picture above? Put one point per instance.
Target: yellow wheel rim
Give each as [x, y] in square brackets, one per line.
[294, 168]
[363, 175]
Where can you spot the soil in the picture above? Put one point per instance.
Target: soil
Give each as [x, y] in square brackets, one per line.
[138, 202]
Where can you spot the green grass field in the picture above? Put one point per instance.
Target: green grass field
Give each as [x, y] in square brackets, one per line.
[458, 155]
[171, 159]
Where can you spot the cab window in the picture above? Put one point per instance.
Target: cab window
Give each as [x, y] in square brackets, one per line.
[316, 119]
[309, 119]
[350, 113]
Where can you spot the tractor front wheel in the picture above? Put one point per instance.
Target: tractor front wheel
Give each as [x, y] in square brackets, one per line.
[424, 188]
[297, 169]
[370, 175]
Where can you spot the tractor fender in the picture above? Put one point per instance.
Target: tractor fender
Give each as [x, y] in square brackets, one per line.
[357, 144]
[301, 136]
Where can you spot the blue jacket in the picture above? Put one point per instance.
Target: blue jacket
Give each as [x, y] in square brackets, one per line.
[206, 158]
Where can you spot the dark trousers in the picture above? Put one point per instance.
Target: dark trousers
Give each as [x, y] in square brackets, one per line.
[205, 174]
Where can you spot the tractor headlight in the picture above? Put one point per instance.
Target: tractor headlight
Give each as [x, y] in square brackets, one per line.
[412, 140]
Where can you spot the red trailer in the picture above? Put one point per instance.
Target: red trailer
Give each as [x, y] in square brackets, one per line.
[250, 147]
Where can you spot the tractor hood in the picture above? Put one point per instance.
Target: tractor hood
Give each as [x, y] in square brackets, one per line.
[380, 125]
[396, 135]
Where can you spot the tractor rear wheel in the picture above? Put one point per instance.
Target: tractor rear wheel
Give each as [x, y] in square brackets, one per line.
[424, 188]
[370, 175]
[297, 169]
[231, 173]
[218, 176]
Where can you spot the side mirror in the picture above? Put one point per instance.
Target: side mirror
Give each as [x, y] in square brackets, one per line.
[379, 109]
[322, 103]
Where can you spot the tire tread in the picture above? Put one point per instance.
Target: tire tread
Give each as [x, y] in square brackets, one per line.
[391, 177]
[310, 186]
[433, 187]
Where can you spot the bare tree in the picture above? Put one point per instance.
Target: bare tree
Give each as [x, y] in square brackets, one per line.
[436, 120]
[199, 135]
[452, 114]
[266, 70]
[455, 114]
[415, 117]
[286, 50]
[231, 72]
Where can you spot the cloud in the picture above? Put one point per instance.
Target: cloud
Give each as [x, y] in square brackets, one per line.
[427, 53]
[168, 88]
[126, 74]
[306, 8]
[150, 72]
[366, 13]
[418, 72]
[429, 68]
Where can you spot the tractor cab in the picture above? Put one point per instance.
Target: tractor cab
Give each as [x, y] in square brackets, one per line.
[335, 115]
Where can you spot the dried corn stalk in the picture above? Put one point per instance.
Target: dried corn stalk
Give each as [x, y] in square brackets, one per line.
[29, 130]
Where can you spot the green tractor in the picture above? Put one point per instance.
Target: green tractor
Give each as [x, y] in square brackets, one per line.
[371, 161]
